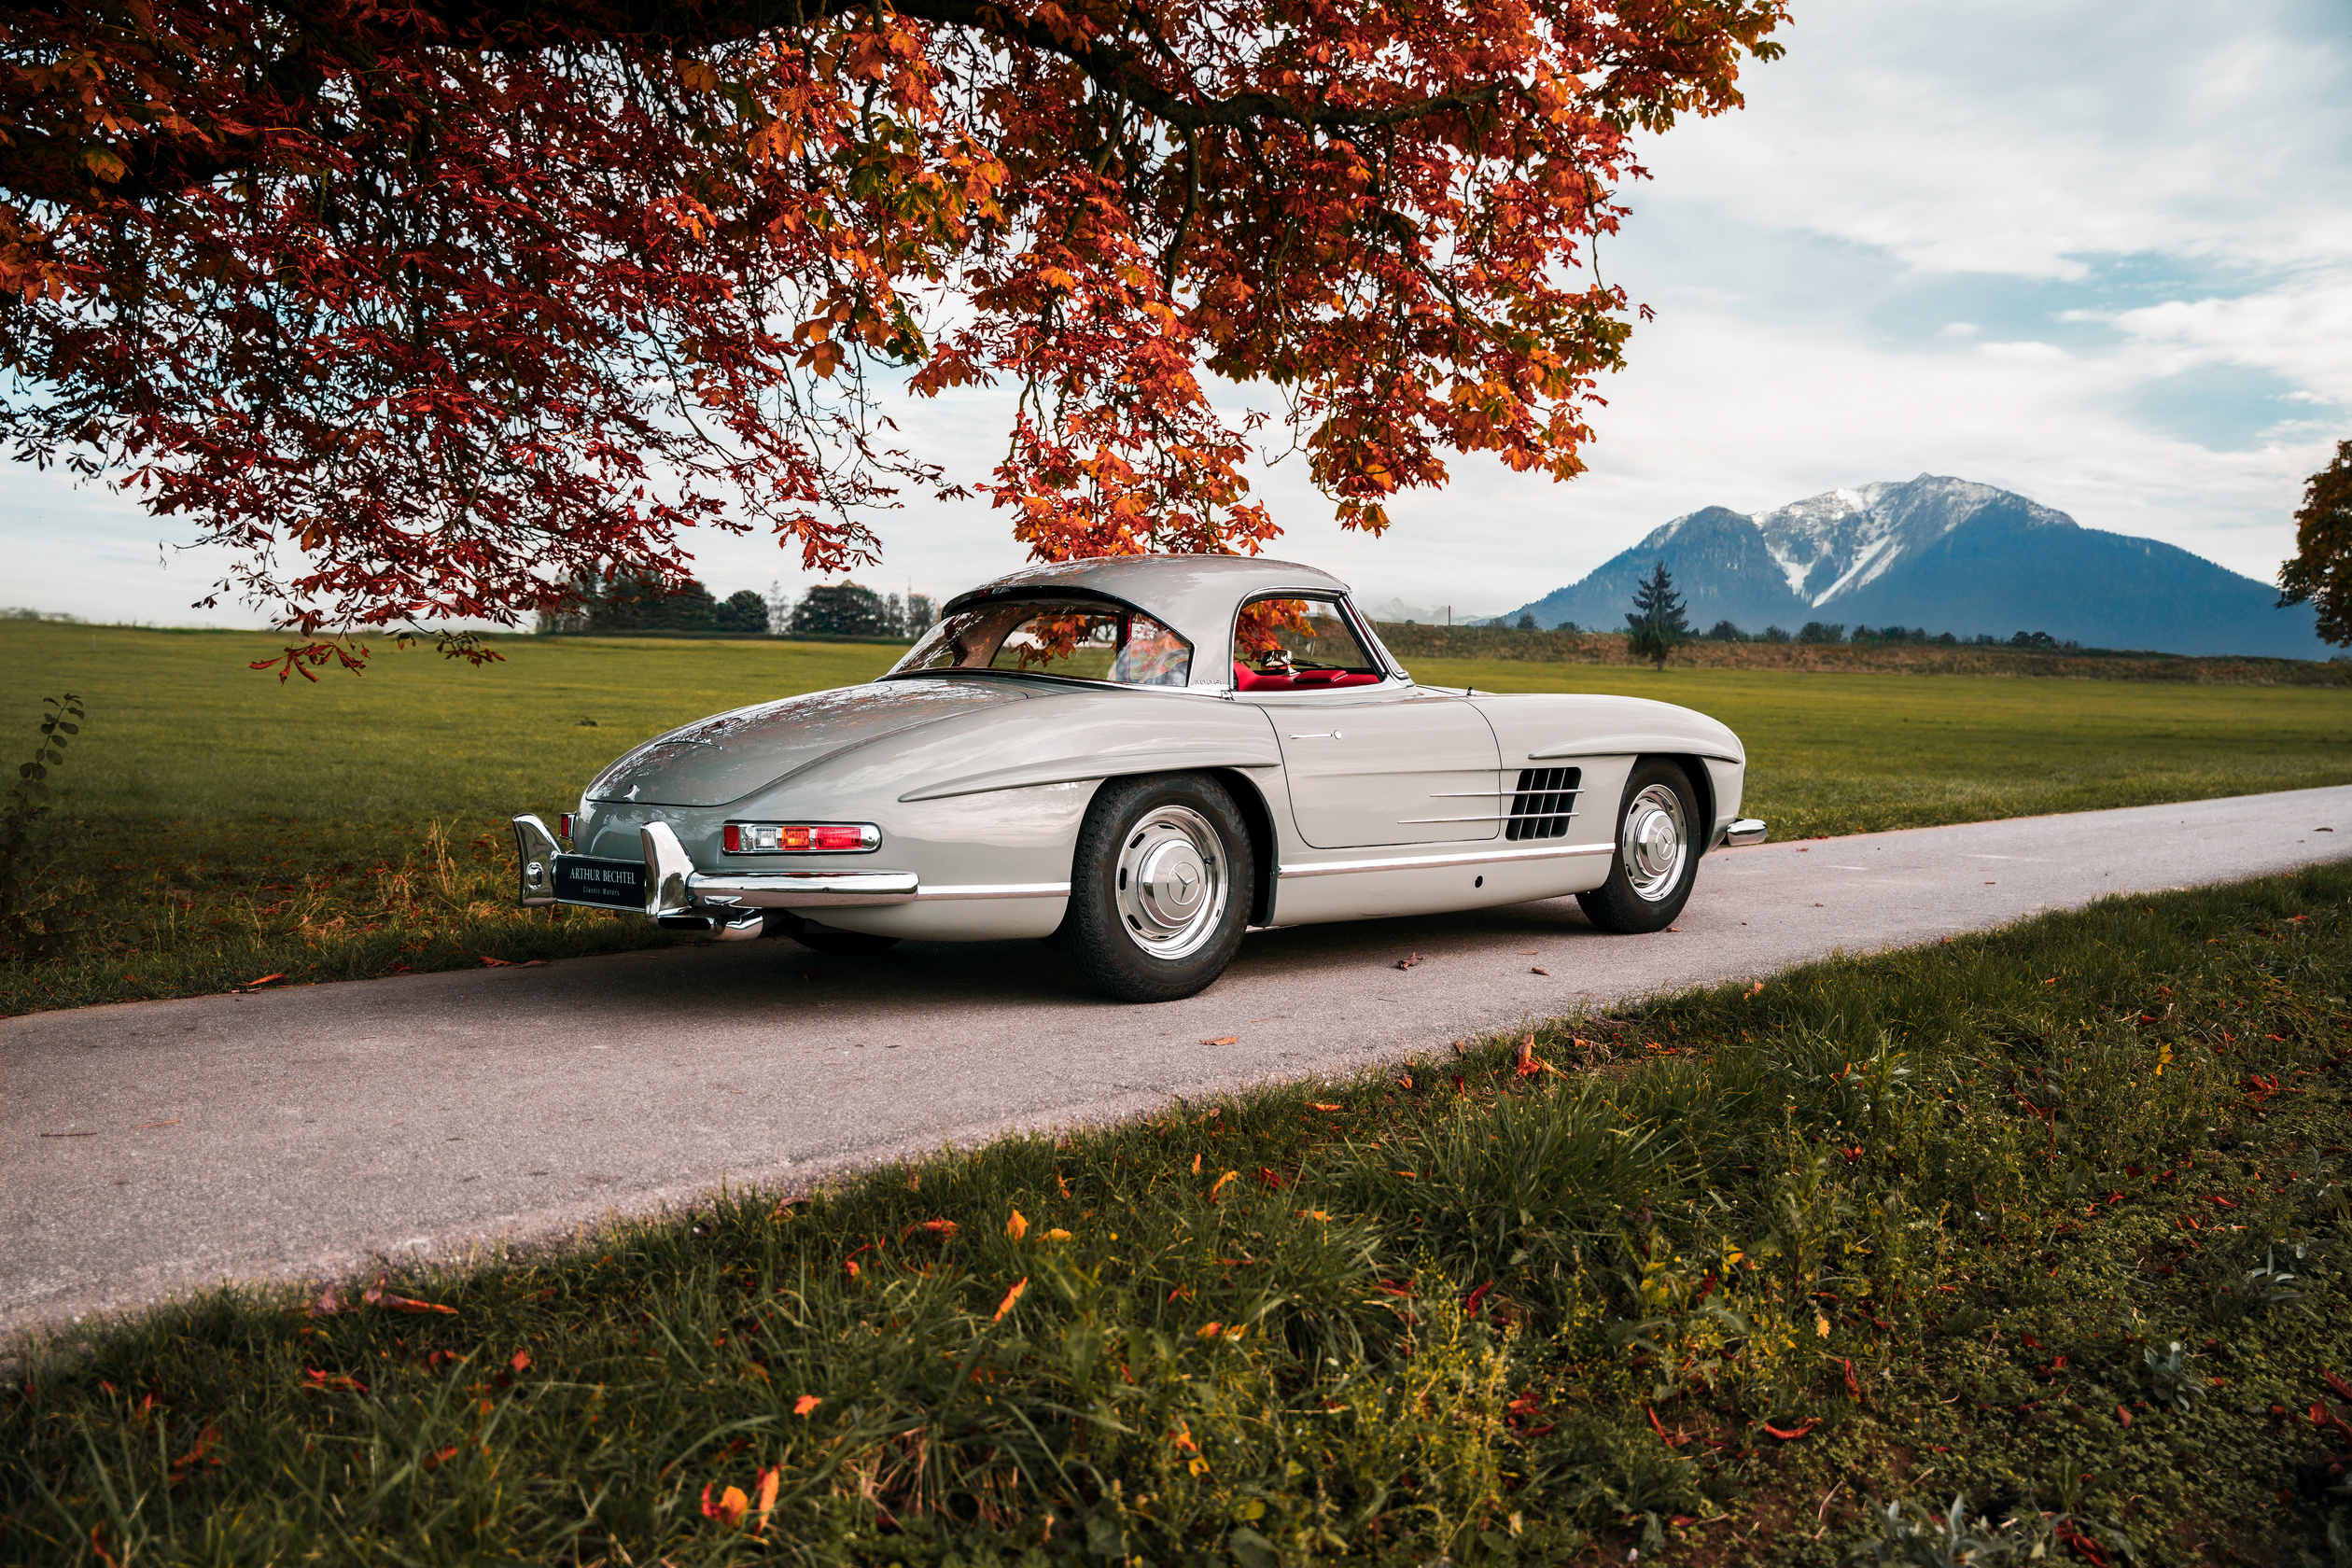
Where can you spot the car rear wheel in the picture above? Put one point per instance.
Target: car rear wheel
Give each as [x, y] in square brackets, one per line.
[1159, 889]
[1656, 860]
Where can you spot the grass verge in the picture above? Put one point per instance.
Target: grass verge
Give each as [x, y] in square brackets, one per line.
[2052, 1219]
[214, 828]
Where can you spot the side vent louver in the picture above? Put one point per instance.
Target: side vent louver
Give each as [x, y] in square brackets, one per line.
[1545, 803]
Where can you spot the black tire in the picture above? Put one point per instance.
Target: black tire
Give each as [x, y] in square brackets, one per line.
[1134, 932]
[823, 939]
[1642, 894]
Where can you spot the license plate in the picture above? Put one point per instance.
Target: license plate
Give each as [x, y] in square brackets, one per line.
[611, 884]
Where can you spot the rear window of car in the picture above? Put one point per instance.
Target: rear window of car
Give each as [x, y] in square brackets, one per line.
[1076, 640]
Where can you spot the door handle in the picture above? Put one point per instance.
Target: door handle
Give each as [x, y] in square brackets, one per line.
[1319, 734]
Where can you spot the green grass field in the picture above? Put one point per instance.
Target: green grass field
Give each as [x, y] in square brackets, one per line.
[2052, 1220]
[215, 827]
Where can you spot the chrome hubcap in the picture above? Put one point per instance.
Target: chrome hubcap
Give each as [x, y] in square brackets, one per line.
[1172, 886]
[1654, 842]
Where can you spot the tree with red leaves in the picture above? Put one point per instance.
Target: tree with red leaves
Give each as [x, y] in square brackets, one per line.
[2321, 572]
[433, 313]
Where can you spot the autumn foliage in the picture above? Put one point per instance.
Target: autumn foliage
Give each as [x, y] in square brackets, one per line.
[2321, 571]
[431, 311]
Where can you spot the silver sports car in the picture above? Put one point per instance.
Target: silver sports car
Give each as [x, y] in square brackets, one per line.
[1140, 758]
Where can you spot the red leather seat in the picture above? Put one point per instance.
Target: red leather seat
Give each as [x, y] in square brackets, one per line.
[1248, 679]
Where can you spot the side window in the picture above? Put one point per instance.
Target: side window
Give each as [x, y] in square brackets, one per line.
[1296, 644]
[1152, 655]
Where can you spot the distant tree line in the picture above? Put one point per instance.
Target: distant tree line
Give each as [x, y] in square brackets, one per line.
[849, 609]
[630, 604]
[1834, 631]
[1654, 626]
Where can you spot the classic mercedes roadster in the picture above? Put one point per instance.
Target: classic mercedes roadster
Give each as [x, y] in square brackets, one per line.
[1140, 758]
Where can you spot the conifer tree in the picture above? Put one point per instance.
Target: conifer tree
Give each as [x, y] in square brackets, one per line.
[1655, 621]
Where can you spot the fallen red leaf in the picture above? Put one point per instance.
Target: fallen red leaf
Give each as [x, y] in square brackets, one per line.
[2124, 1415]
[267, 978]
[729, 1508]
[1407, 962]
[1471, 1303]
[1010, 1297]
[1224, 1039]
[376, 1295]
[1803, 1428]
[200, 1455]
[1675, 1442]
[335, 1382]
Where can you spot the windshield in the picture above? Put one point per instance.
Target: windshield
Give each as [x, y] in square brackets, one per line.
[1078, 639]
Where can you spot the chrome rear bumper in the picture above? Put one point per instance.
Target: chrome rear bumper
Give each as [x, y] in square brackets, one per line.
[1742, 832]
[673, 888]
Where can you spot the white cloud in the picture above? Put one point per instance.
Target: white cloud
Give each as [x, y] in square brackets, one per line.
[2301, 330]
[2022, 136]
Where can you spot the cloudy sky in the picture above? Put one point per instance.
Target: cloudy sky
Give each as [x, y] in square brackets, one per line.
[2099, 254]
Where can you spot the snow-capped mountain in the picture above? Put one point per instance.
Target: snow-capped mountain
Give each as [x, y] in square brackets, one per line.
[1947, 554]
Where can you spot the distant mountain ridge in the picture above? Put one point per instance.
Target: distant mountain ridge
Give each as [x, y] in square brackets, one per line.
[1948, 555]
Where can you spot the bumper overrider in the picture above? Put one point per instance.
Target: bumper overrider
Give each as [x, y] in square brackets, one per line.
[664, 885]
[1743, 832]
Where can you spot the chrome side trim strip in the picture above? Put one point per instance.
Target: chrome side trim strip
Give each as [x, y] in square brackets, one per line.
[1417, 862]
[996, 890]
[1507, 817]
[1491, 795]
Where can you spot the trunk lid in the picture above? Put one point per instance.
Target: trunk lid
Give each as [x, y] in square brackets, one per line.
[729, 755]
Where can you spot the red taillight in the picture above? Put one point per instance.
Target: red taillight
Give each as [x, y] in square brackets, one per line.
[563, 826]
[799, 838]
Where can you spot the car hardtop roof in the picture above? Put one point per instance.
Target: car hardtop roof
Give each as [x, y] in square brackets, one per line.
[1193, 596]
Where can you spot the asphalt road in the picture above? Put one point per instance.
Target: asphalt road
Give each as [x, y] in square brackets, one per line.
[151, 1148]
